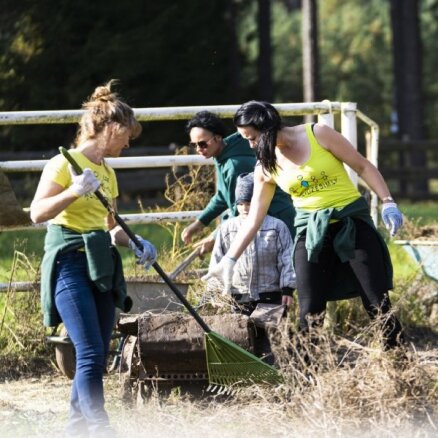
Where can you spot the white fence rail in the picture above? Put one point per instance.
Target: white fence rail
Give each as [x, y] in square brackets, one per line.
[116, 163]
[325, 111]
[162, 114]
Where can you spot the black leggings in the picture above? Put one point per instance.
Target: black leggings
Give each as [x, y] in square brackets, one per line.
[368, 267]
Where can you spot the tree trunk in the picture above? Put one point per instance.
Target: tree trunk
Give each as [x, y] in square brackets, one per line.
[407, 66]
[310, 53]
[266, 89]
[233, 52]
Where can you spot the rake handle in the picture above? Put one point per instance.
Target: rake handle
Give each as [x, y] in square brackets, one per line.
[138, 244]
[186, 262]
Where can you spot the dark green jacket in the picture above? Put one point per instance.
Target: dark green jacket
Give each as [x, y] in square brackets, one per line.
[315, 224]
[104, 267]
[237, 157]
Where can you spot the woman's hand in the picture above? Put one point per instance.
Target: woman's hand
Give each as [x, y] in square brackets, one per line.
[84, 183]
[147, 256]
[223, 271]
[392, 217]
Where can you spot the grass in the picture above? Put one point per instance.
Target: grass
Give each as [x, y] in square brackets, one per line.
[31, 243]
[350, 388]
[20, 258]
[424, 212]
[167, 240]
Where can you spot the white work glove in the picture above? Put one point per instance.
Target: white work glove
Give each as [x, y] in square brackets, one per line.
[223, 271]
[84, 183]
[392, 217]
[148, 256]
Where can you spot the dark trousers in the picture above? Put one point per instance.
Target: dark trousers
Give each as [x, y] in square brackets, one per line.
[368, 267]
[262, 344]
[249, 307]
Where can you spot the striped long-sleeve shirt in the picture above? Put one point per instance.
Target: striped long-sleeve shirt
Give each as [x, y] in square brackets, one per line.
[265, 265]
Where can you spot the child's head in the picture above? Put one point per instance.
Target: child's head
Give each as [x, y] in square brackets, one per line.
[244, 190]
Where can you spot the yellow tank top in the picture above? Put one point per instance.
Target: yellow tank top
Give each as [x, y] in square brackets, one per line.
[321, 182]
[86, 213]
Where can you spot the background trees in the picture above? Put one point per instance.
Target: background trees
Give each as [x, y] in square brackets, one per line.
[193, 52]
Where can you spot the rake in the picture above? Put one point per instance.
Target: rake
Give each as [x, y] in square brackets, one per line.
[227, 363]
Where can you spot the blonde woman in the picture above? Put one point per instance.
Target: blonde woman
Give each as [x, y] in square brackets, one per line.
[82, 278]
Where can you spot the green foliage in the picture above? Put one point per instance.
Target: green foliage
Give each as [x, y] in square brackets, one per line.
[287, 59]
[31, 243]
[429, 27]
[26, 242]
[164, 53]
[355, 56]
[171, 53]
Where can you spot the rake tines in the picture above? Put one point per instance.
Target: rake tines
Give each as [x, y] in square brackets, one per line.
[230, 365]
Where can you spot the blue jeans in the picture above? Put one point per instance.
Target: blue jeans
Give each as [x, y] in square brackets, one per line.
[88, 316]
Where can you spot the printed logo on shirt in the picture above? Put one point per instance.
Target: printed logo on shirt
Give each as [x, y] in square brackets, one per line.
[305, 187]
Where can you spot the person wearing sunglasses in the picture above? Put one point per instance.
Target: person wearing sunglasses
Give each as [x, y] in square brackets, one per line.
[232, 155]
[338, 253]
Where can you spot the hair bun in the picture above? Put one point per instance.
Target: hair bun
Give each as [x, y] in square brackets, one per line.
[104, 107]
[103, 93]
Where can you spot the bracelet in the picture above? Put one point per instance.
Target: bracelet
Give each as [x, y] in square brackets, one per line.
[388, 199]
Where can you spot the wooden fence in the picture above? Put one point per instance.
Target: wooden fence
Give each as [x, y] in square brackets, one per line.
[406, 179]
[144, 185]
[149, 185]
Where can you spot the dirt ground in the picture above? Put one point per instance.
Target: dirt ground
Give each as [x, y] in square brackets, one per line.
[34, 407]
[37, 407]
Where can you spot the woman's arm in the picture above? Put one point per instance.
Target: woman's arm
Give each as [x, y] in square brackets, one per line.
[50, 200]
[342, 149]
[264, 189]
[146, 257]
[118, 235]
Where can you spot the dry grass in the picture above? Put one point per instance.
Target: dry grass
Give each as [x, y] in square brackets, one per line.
[347, 386]
[349, 389]
[413, 231]
[354, 390]
[187, 189]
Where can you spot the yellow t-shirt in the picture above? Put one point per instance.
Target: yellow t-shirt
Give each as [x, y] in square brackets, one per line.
[321, 182]
[86, 213]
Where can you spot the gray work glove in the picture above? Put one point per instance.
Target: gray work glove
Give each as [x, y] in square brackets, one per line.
[392, 217]
[148, 256]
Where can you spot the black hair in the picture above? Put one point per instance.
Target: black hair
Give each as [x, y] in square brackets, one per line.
[207, 120]
[266, 119]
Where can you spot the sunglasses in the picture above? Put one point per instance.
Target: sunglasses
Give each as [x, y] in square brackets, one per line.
[203, 144]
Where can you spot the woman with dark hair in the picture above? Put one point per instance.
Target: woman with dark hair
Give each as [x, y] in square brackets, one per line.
[232, 155]
[338, 252]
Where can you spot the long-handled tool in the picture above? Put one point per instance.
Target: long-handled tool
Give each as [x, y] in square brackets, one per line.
[186, 262]
[227, 363]
[189, 259]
